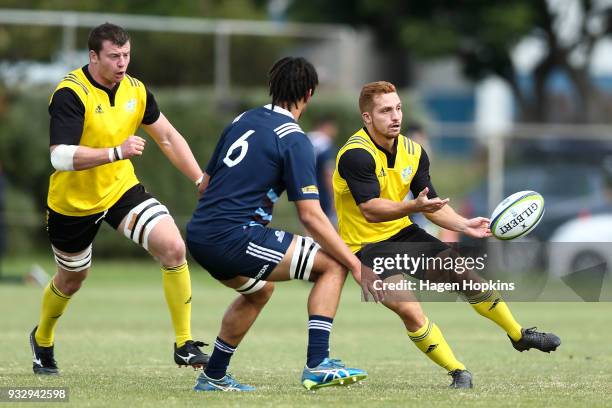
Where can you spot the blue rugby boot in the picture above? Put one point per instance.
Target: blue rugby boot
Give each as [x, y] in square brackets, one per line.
[329, 373]
[227, 383]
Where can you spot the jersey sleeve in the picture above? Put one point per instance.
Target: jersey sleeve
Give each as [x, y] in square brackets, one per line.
[358, 168]
[67, 118]
[299, 172]
[151, 113]
[422, 178]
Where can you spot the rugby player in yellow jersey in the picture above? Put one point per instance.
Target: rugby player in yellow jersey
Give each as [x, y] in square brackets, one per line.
[375, 170]
[95, 112]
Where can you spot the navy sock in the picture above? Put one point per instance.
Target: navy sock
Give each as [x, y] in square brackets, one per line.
[219, 360]
[319, 329]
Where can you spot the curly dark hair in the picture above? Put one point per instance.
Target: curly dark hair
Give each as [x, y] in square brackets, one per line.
[291, 79]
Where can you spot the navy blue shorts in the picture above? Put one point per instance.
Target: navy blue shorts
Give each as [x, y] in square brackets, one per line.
[250, 251]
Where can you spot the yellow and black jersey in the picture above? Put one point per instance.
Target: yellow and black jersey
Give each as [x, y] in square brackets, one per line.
[85, 113]
[365, 171]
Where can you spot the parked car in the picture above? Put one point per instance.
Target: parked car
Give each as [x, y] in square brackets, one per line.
[581, 244]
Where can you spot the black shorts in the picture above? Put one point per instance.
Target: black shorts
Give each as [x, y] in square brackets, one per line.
[74, 234]
[421, 245]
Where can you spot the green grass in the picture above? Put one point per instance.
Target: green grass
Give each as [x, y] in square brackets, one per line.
[114, 343]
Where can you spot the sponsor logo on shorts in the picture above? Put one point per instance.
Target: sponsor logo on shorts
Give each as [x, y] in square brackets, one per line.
[262, 271]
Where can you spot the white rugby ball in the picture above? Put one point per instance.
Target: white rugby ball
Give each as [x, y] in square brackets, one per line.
[517, 215]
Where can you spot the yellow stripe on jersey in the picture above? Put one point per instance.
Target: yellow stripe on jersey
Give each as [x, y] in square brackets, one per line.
[354, 229]
[86, 192]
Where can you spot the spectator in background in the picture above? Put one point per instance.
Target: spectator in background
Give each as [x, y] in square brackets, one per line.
[322, 139]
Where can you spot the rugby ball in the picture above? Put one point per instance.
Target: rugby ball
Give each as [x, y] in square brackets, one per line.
[517, 215]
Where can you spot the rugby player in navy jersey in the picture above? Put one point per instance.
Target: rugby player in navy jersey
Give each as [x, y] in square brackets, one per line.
[262, 153]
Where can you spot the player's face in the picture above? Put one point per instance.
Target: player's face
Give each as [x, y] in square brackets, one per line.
[111, 62]
[386, 115]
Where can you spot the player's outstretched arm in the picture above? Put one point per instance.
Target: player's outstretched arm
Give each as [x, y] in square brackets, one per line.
[316, 222]
[74, 157]
[447, 218]
[381, 209]
[175, 147]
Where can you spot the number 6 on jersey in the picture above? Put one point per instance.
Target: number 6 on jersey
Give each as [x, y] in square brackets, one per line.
[241, 144]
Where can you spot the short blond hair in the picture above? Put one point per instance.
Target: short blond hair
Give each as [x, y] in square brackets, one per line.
[369, 91]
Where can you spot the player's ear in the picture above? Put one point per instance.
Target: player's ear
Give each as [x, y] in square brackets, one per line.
[308, 96]
[367, 119]
[93, 56]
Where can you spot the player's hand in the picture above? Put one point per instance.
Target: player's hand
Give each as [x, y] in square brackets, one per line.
[426, 205]
[477, 227]
[133, 146]
[201, 189]
[366, 277]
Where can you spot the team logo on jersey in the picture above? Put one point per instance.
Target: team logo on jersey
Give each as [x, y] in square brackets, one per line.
[312, 189]
[279, 235]
[99, 109]
[406, 173]
[130, 106]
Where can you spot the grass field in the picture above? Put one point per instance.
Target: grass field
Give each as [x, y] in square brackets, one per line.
[114, 347]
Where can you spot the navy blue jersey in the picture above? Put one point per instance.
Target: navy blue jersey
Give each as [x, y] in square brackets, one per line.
[262, 153]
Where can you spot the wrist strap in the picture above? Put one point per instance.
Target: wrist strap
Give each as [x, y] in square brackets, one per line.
[114, 154]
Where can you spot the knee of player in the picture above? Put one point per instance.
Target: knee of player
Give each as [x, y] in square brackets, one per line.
[413, 322]
[69, 286]
[330, 269]
[173, 253]
[411, 314]
[336, 269]
[262, 296]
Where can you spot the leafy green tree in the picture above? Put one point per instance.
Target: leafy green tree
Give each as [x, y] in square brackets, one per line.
[190, 55]
[483, 34]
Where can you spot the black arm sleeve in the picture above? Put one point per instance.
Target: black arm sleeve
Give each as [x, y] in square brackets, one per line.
[422, 179]
[67, 118]
[358, 168]
[151, 113]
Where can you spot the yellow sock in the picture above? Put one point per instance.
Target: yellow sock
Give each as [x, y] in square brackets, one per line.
[429, 340]
[491, 305]
[177, 289]
[53, 305]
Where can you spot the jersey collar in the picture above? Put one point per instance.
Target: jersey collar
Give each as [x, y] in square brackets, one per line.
[110, 92]
[390, 156]
[278, 109]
